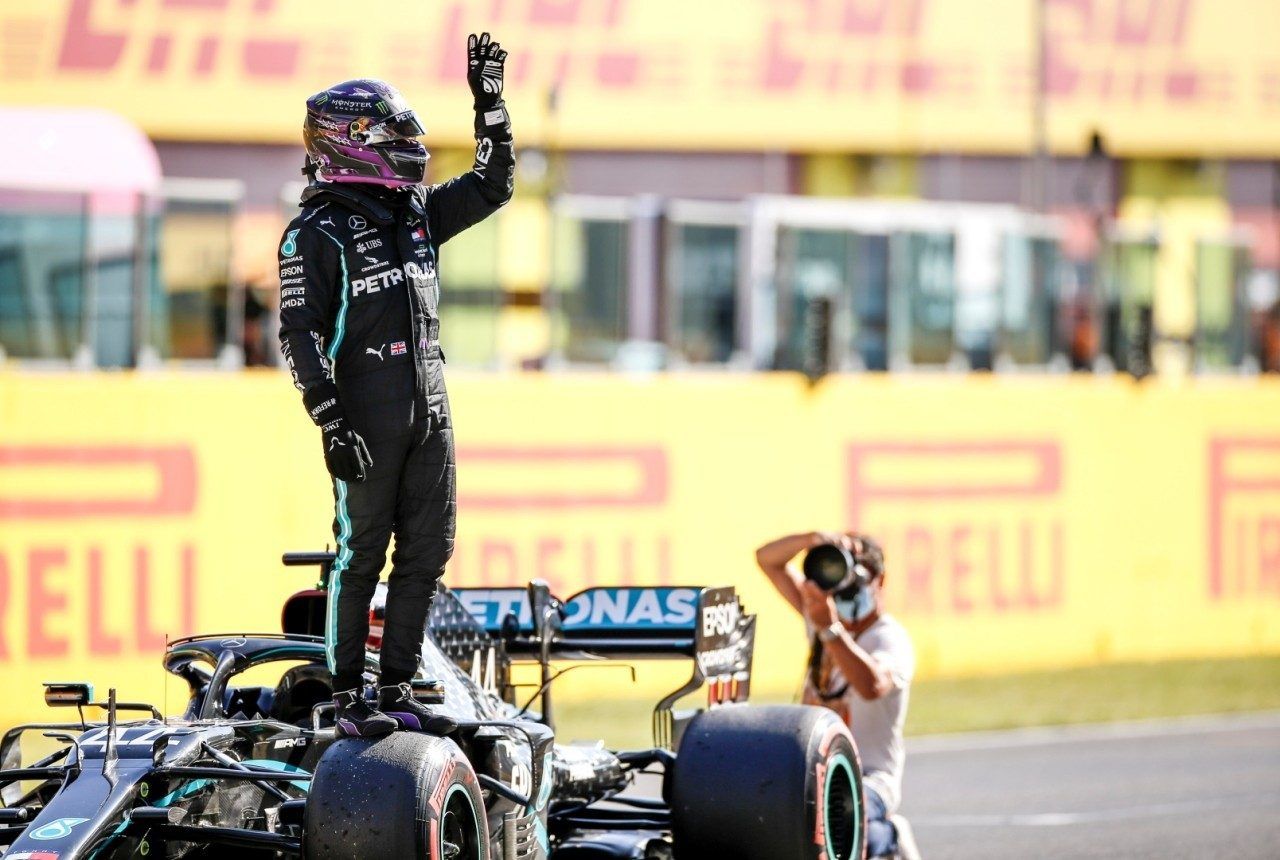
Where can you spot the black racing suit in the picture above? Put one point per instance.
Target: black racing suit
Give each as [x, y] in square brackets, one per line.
[359, 325]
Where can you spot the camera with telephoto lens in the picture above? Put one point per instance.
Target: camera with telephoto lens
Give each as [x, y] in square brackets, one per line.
[833, 568]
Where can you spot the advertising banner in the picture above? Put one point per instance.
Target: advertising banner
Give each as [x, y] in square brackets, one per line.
[1027, 523]
[1153, 76]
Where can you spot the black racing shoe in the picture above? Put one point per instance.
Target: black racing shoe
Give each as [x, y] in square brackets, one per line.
[398, 702]
[356, 718]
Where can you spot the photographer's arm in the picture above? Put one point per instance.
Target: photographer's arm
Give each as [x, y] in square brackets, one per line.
[774, 558]
[867, 675]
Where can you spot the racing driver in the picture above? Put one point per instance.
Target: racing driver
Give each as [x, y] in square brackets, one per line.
[359, 329]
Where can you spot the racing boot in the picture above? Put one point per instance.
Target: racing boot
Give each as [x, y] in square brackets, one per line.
[398, 702]
[356, 718]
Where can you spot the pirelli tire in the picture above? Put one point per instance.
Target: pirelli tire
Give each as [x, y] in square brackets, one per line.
[768, 783]
[402, 795]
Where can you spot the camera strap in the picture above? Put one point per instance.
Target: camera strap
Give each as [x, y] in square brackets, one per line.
[817, 661]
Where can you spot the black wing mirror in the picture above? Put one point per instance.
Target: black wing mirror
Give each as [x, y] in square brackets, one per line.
[59, 694]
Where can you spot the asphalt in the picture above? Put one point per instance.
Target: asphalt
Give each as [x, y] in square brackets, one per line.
[1205, 787]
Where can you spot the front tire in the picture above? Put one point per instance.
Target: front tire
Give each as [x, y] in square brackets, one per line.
[769, 783]
[403, 795]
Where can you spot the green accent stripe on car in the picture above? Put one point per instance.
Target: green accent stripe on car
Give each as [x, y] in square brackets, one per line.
[281, 767]
[186, 790]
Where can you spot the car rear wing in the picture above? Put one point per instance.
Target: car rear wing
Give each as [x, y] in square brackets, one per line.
[483, 629]
[705, 625]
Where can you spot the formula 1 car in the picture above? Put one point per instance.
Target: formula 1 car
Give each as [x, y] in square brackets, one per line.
[255, 771]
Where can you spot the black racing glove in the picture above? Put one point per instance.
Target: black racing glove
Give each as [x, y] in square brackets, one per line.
[484, 70]
[345, 453]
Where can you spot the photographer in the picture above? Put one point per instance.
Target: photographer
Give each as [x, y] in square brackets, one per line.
[861, 662]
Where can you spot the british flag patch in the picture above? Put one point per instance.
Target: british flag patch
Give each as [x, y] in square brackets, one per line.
[419, 234]
[398, 348]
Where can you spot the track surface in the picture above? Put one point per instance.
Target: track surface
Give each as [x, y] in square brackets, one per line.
[1200, 787]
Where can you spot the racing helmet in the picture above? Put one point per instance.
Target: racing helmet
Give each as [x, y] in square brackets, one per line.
[364, 131]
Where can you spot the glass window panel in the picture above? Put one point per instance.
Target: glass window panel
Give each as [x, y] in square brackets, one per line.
[1220, 336]
[590, 284]
[870, 318]
[42, 241]
[113, 312]
[188, 314]
[851, 269]
[704, 290]
[924, 285]
[1130, 286]
[1028, 298]
[812, 264]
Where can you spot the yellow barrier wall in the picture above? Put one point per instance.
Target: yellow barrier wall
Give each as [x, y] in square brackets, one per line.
[1028, 522]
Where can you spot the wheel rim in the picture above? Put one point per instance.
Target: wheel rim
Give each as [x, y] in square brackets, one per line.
[841, 809]
[460, 827]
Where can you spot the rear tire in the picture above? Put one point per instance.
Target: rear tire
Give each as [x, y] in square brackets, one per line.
[769, 783]
[403, 795]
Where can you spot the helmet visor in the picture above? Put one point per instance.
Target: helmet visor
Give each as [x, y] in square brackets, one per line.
[402, 126]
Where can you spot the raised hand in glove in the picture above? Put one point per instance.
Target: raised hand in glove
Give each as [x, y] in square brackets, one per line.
[485, 61]
[345, 453]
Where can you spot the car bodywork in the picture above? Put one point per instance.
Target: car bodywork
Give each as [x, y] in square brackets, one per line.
[231, 774]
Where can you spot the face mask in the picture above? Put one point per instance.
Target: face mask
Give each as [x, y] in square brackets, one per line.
[859, 606]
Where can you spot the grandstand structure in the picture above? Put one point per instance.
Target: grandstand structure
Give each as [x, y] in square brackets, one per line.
[822, 185]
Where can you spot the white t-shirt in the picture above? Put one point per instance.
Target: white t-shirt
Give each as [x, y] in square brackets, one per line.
[877, 725]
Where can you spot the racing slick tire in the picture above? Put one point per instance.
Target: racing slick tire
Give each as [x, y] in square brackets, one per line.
[768, 783]
[403, 795]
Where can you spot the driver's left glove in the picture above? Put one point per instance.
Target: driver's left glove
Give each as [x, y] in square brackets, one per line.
[485, 65]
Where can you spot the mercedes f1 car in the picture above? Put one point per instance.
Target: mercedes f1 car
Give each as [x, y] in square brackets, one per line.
[256, 771]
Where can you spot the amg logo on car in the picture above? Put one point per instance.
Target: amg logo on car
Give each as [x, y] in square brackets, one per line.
[376, 282]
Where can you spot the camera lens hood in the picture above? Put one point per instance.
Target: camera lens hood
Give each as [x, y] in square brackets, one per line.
[829, 566]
